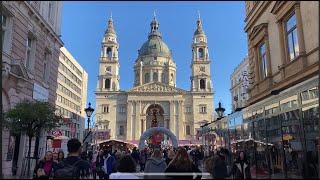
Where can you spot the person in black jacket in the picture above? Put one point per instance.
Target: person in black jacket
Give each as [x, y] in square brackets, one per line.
[100, 164]
[182, 164]
[220, 170]
[241, 167]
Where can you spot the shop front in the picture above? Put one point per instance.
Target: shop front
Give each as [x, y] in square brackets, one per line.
[287, 125]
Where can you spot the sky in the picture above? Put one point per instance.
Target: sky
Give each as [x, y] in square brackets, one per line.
[84, 24]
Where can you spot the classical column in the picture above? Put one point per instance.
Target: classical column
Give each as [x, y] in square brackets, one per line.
[302, 48]
[133, 122]
[151, 75]
[176, 119]
[181, 121]
[172, 118]
[138, 120]
[129, 121]
[140, 73]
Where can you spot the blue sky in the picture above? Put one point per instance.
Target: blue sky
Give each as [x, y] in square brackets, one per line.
[84, 23]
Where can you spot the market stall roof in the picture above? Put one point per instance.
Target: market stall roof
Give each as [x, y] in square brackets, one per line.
[250, 139]
[113, 140]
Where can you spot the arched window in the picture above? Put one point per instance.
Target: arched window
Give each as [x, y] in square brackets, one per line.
[163, 78]
[202, 84]
[188, 132]
[146, 78]
[108, 69]
[107, 84]
[201, 53]
[109, 52]
[155, 77]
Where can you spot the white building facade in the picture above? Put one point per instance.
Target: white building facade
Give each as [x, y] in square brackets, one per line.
[239, 85]
[127, 114]
[31, 41]
[71, 95]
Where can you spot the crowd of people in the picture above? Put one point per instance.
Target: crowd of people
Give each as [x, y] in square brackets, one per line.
[148, 163]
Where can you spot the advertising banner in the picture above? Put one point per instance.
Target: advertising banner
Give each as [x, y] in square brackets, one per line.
[101, 135]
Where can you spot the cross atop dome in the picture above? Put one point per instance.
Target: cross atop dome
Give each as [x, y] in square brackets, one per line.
[154, 27]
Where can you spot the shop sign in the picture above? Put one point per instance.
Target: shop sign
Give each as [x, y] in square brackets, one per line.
[287, 137]
[40, 93]
[57, 133]
[56, 143]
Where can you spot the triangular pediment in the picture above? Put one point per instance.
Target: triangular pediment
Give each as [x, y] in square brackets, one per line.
[156, 87]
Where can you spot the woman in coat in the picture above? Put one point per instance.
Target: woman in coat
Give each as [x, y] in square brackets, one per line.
[182, 164]
[45, 167]
[155, 164]
[241, 167]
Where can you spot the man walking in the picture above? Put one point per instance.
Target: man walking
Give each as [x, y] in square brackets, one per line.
[73, 167]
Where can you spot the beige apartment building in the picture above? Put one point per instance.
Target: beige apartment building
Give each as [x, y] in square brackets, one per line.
[128, 114]
[30, 59]
[239, 85]
[283, 105]
[71, 95]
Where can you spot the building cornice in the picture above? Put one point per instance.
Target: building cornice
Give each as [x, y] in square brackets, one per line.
[35, 14]
[255, 14]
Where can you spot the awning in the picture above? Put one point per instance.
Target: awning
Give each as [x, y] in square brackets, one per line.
[61, 137]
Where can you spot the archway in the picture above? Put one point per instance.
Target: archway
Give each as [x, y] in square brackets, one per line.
[158, 110]
[151, 131]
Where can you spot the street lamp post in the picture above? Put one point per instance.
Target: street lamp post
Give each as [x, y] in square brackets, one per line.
[89, 110]
[220, 110]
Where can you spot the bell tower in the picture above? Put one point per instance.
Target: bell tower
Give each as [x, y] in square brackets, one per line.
[109, 61]
[200, 66]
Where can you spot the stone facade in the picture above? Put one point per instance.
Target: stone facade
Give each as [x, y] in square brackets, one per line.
[285, 35]
[31, 43]
[239, 85]
[71, 95]
[127, 114]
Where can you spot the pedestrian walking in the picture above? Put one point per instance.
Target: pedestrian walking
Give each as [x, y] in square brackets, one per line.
[155, 164]
[125, 169]
[182, 164]
[73, 167]
[143, 159]
[94, 165]
[109, 164]
[208, 166]
[135, 155]
[241, 167]
[220, 170]
[99, 165]
[60, 156]
[170, 157]
[45, 167]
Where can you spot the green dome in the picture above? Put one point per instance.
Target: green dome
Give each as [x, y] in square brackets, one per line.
[154, 46]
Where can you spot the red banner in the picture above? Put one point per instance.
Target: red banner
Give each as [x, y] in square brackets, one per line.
[56, 133]
[73, 129]
[102, 135]
[56, 143]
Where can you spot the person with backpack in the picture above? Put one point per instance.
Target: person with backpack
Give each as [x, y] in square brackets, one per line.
[73, 167]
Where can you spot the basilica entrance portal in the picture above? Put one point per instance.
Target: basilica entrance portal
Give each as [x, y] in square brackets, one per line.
[156, 130]
[154, 110]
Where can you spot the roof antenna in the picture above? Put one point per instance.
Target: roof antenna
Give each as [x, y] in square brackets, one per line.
[198, 14]
[111, 15]
[154, 14]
